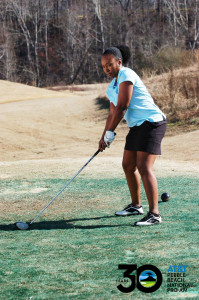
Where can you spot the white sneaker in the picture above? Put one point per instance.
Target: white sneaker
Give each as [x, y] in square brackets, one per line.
[130, 210]
[149, 219]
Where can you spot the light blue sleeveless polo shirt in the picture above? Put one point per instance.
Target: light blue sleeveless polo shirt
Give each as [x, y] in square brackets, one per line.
[142, 107]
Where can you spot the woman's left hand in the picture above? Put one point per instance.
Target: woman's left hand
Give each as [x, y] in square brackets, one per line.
[109, 137]
[102, 145]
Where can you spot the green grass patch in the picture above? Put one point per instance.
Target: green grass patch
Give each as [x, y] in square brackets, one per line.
[148, 283]
[73, 250]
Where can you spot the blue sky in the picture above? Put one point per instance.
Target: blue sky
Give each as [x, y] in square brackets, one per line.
[145, 274]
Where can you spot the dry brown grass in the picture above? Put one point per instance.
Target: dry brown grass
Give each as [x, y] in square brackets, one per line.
[12, 92]
[165, 60]
[177, 94]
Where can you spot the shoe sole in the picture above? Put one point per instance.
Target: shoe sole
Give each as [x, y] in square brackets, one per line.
[129, 214]
[147, 224]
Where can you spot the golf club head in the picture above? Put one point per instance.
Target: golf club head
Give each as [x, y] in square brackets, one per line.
[22, 225]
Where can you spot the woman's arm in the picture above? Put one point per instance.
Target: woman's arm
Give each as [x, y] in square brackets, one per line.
[102, 144]
[108, 121]
[124, 98]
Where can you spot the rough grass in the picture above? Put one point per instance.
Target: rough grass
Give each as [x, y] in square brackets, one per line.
[73, 250]
[166, 59]
[177, 94]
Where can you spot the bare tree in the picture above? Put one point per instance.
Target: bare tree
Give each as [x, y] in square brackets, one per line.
[97, 4]
[36, 23]
[20, 14]
[46, 42]
[186, 15]
[46, 22]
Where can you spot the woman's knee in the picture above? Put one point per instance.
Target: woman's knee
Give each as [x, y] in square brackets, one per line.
[143, 168]
[145, 162]
[128, 167]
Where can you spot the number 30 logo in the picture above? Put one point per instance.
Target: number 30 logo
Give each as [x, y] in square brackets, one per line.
[149, 278]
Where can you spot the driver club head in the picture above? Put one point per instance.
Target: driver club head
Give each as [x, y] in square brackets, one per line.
[22, 225]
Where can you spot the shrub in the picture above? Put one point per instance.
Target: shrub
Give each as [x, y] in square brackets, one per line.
[164, 60]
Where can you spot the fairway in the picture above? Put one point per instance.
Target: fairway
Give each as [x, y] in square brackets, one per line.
[73, 250]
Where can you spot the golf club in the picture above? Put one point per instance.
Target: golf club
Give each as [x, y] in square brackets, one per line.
[24, 225]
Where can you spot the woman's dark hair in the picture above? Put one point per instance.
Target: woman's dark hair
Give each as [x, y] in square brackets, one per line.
[120, 51]
[126, 54]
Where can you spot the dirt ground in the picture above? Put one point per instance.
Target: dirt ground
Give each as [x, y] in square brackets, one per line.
[47, 133]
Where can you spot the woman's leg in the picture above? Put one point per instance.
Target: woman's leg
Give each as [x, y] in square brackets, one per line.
[132, 176]
[145, 162]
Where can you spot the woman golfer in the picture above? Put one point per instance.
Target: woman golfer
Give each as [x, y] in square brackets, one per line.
[130, 99]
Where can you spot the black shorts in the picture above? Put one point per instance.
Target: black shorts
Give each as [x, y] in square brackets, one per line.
[147, 137]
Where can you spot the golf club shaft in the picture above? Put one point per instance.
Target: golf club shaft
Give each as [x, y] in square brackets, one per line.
[65, 186]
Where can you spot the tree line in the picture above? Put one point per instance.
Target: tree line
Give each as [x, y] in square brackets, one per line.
[49, 42]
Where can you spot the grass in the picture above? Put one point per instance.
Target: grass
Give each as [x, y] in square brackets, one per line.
[73, 250]
[164, 60]
[12, 92]
[148, 283]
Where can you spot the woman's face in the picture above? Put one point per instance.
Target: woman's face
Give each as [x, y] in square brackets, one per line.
[111, 65]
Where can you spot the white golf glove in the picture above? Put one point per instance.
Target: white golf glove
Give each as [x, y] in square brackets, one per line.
[109, 137]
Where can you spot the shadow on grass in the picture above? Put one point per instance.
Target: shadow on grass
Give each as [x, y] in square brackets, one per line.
[62, 224]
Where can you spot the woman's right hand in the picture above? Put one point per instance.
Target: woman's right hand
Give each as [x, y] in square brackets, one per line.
[102, 145]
